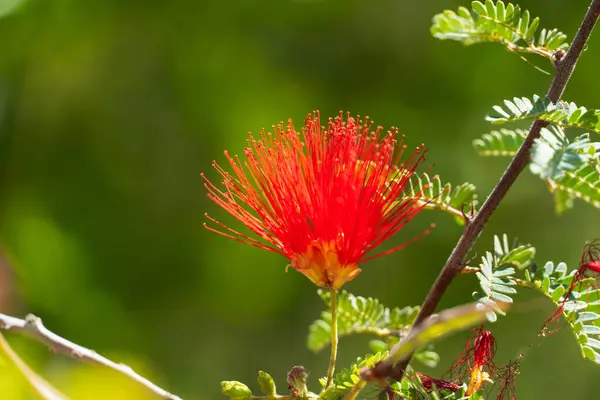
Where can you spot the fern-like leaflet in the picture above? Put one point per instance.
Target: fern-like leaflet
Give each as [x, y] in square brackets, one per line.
[501, 23]
[564, 114]
[357, 314]
[504, 143]
[581, 309]
[496, 271]
[434, 195]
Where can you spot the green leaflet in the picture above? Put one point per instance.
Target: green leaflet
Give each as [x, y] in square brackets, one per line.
[432, 194]
[570, 167]
[500, 23]
[266, 384]
[582, 183]
[358, 314]
[582, 309]
[565, 114]
[344, 381]
[503, 143]
[496, 272]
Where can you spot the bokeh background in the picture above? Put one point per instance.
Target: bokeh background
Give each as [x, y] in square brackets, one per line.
[110, 110]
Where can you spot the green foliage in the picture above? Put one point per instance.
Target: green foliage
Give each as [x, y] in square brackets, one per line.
[344, 381]
[582, 183]
[358, 314]
[582, 308]
[564, 114]
[523, 108]
[504, 142]
[496, 272]
[569, 167]
[437, 196]
[553, 154]
[498, 22]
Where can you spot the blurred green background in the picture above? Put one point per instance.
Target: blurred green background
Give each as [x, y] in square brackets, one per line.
[110, 110]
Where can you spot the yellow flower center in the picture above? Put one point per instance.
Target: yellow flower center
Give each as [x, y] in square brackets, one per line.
[320, 263]
[478, 376]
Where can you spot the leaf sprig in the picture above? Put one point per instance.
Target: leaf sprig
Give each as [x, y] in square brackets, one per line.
[581, 310]
[571, 168]
[437, 196]
[565, 114]
[501, 23]
[496, 271]
[503, 143]
[357, 314]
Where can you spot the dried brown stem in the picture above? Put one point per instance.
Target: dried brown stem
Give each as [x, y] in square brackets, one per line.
[32, 326]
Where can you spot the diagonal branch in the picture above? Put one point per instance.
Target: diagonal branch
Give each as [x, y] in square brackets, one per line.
[32, 326]
[564, 70]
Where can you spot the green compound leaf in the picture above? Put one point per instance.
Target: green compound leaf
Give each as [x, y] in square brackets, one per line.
[358, 314]
[582, 183]
[564, 114]
[523, 108]
[344, 381]
[570, 168]
[500, 23]
[553, 154]
[502, 143]
[582, 308]
[496, 272]
[433, 195]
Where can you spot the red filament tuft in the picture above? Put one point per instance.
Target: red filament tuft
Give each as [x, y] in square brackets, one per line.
[476, 362]
[324, 197]
[507, 377]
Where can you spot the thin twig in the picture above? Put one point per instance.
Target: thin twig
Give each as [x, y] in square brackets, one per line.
[32, 326]
[334, 335]
[564, 70]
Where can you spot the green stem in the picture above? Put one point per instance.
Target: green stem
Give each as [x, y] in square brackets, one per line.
[356, 390]
[334, 335]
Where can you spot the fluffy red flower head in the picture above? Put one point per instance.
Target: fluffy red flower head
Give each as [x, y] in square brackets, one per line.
[324, 197]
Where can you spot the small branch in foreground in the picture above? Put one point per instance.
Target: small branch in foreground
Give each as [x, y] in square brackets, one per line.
[32, 326]
[453, 266]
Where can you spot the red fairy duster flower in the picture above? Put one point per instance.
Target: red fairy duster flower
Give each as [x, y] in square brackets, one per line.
[476, 362]
[324, 197]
